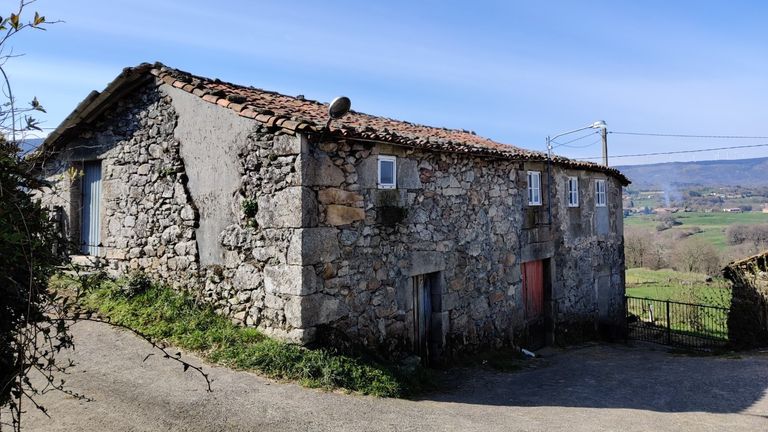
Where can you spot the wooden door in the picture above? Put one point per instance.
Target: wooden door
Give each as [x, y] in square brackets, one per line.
[534, 285]
[422, 313]
[533, 289]
[91, 218]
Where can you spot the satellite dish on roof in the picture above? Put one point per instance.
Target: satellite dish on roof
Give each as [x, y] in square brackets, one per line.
[339, 107]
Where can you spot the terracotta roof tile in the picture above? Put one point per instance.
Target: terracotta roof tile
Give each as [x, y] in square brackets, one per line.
[248, 112]
[262, 117]
[297, 113]
[168, 79]
[290, 124]
[210, 98]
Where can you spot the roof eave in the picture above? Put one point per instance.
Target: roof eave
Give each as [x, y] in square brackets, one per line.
[96, 102]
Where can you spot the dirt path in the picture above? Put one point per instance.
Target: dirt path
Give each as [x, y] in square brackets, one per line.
[595, 388]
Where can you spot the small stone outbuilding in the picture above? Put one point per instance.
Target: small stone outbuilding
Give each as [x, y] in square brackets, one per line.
[395, 236]
[748, 315]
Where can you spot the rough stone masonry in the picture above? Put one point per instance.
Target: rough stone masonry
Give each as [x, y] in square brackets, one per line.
[290, 232]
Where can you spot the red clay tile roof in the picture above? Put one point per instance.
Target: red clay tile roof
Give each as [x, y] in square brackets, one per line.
[296, 114]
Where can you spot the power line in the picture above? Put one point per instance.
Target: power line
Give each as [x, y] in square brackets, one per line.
[583, 146]
[573, 140]
[678, 152]
[688, 135]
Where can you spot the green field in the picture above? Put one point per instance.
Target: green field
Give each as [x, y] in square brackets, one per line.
[713, 225]
[675, 286]
[667, 284]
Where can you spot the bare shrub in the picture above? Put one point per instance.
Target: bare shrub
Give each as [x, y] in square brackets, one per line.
[644, 248]
[755, 234]
[637, 247]
[682, 233]
[666, 221]
[696, 255]
[737, 234]
[741, 251]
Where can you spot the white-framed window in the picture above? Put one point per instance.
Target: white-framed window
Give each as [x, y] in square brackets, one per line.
[387, 172]
[600, 193]
[534, 188]
[573, 191]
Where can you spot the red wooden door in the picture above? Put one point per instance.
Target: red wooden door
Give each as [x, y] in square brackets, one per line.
[533, 289]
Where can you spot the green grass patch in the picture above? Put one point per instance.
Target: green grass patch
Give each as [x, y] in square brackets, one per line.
[668, 284]
[167, 315]
[691, 288]
[713, 225]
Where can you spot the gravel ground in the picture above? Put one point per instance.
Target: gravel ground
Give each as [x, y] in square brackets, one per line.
[600, 387]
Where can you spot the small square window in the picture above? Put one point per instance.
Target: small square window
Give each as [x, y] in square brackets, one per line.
[534, 188]
[600, 193]
[387, 172]
[573, 191]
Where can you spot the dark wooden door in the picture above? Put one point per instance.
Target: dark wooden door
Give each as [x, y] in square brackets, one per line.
[533, 298]
[422, 313]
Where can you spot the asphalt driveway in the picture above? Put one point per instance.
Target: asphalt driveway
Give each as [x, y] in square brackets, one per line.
[600, 387]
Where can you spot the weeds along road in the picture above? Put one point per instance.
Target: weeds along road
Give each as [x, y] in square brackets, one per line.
[610, 388]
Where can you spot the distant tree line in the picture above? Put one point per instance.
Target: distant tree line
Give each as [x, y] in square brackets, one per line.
[680, 250]
[700, 198]
[755, 235]
[644, 248]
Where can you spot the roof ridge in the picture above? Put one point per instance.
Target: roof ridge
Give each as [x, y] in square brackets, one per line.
[192, 84]
[299, 115]
[174, 71]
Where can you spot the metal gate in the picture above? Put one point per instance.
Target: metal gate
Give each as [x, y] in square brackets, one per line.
[687, 325]
[91, 220]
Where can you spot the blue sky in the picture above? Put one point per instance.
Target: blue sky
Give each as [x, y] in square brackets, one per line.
[512, 71]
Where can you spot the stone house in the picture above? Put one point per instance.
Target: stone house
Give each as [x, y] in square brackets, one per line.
[383, 233]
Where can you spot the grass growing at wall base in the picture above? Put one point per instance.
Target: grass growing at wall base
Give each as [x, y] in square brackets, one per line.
[167, 315]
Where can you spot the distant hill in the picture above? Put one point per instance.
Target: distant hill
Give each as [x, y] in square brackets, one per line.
[738, 172]
[30, 144]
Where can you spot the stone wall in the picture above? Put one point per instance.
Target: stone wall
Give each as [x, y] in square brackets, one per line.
[261, 281]
[147, 218]
[748, 316]
[588, 287]
[156, 213]
[450, 215]
[301, 243]
[464, 220]
[211, 140]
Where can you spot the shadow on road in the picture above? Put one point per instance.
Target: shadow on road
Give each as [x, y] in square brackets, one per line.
[619, 376]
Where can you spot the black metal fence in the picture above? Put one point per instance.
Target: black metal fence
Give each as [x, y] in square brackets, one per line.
[685, 325]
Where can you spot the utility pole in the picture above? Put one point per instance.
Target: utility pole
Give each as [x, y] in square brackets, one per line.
[549, 182]
[600, 124]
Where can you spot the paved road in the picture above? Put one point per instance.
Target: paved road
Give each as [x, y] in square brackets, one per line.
[610, 388]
